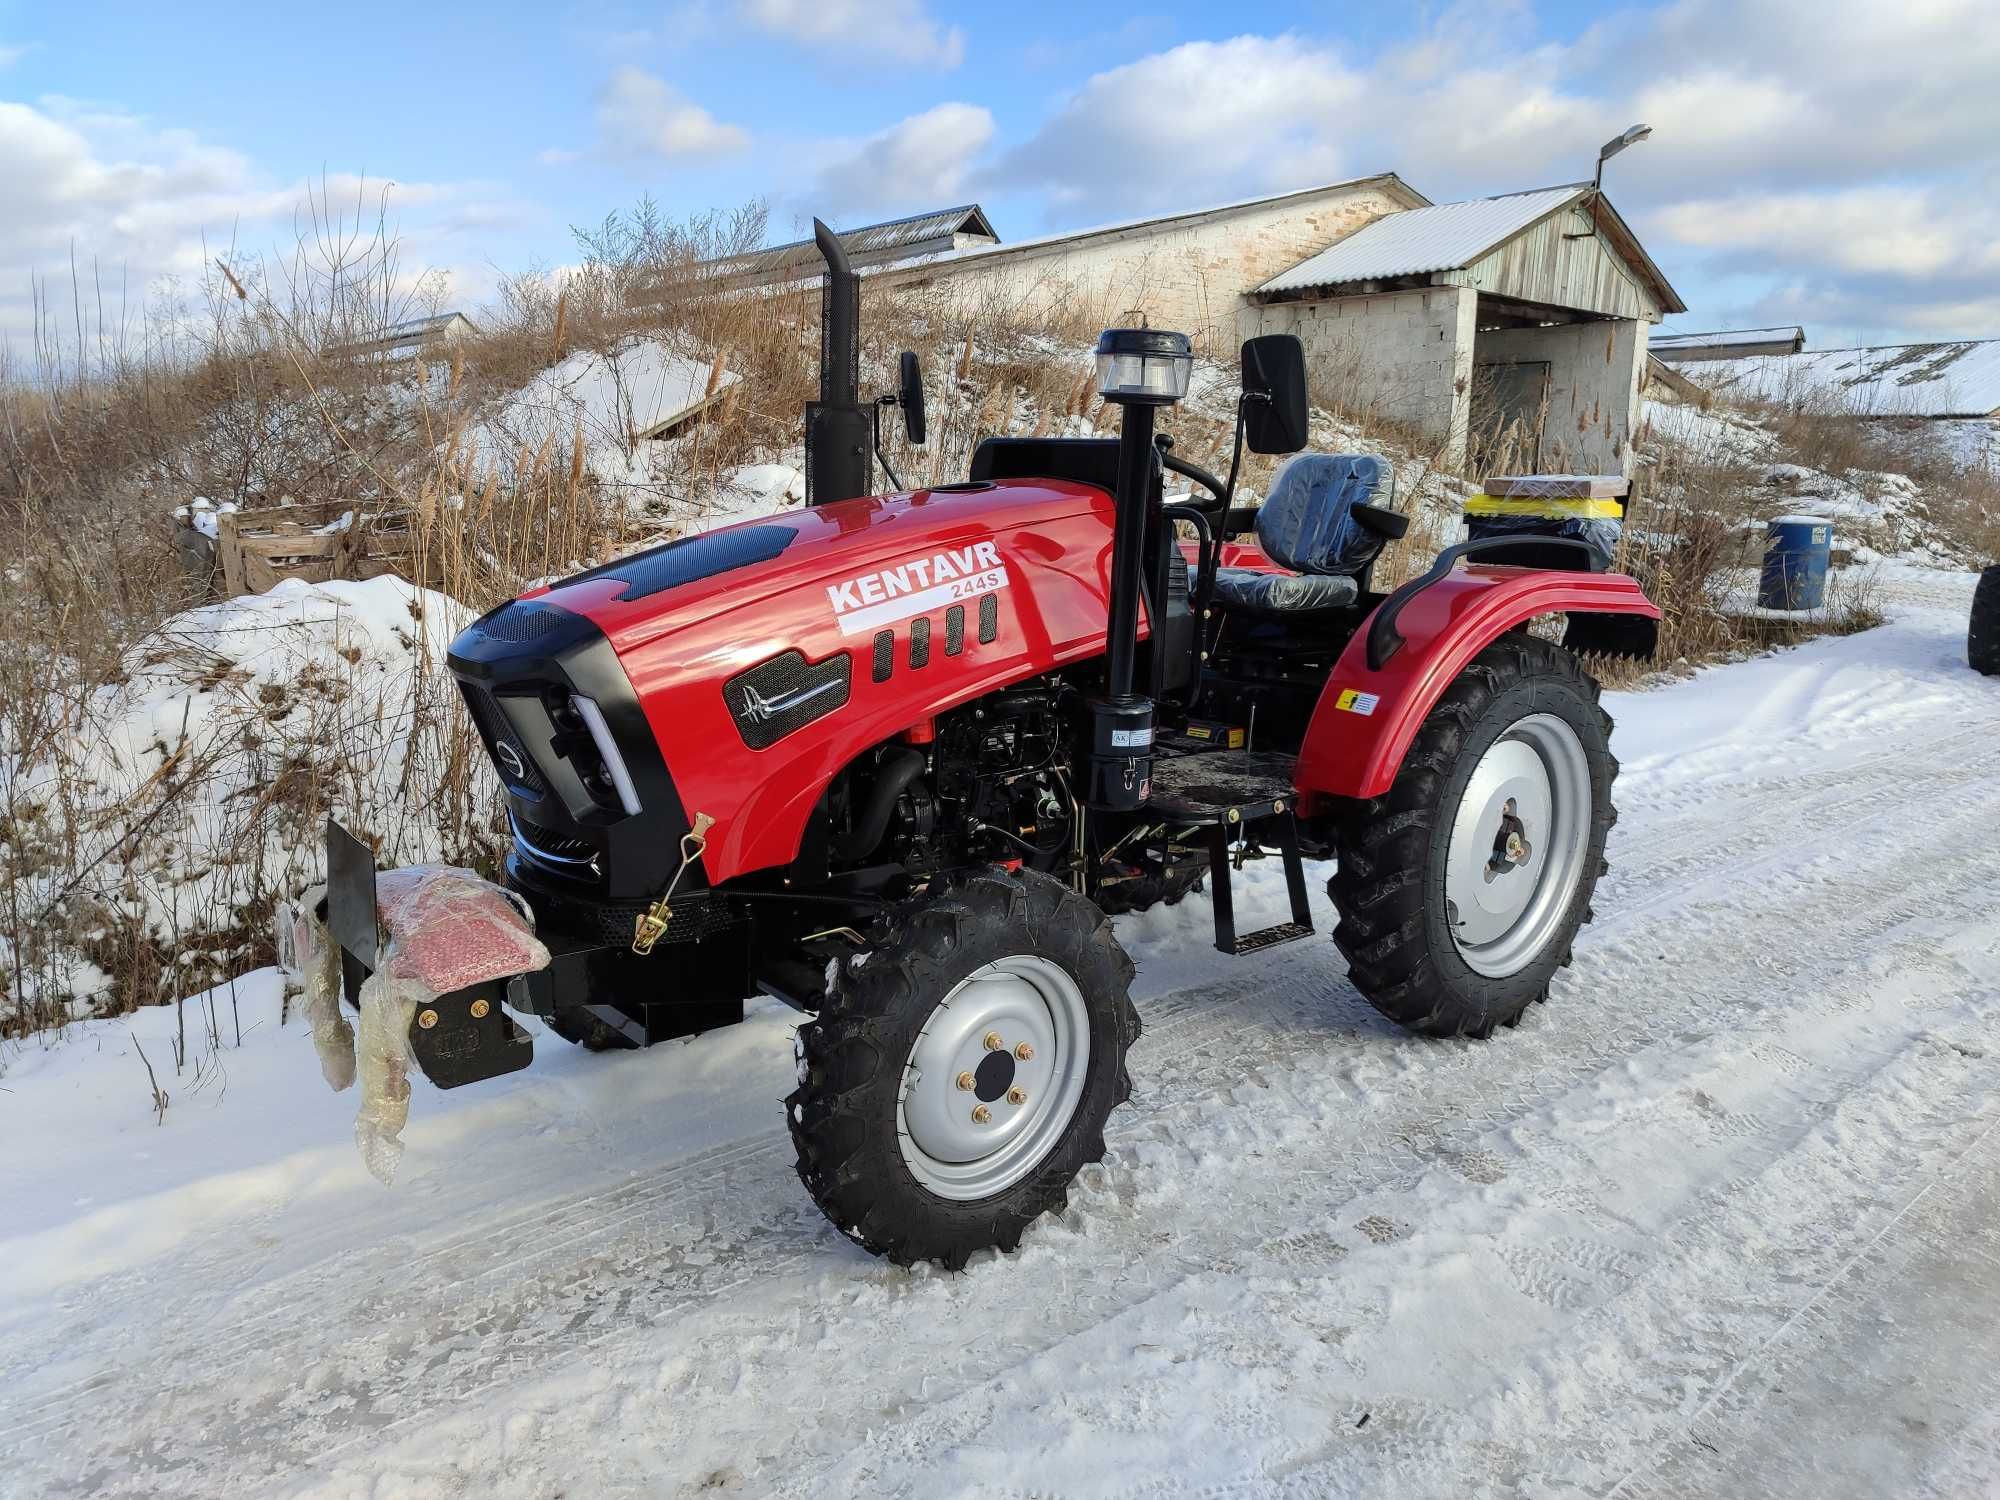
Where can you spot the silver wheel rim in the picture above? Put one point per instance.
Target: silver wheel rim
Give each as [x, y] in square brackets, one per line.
[973, 1142]
[1517, 845]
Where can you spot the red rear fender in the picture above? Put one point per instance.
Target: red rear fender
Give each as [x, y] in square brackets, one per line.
[1368, 715]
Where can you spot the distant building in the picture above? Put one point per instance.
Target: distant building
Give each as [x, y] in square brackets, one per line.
[1732, 343]
[920, 235]
[1955, 379]
[1526, 314]
[410, 335]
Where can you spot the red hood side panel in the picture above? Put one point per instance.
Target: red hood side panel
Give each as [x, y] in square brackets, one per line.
[1040, 549]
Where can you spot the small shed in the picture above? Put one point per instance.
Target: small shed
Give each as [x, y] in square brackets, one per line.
[1729, 343]
[1510, 332]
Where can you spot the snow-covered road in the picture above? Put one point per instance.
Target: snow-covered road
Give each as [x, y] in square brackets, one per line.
[1721, 1219]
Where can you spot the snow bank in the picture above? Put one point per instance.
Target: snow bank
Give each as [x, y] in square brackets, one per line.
[189, 794]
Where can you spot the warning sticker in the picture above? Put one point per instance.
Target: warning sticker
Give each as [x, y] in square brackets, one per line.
[1352, 702]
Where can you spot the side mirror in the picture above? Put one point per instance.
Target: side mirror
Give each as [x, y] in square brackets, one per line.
[910, 396]
[1274, 393]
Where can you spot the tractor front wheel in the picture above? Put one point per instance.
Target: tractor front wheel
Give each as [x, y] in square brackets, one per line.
[1461, 888]
[961, 1071]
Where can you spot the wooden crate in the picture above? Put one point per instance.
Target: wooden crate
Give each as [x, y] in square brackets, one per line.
[257, 548]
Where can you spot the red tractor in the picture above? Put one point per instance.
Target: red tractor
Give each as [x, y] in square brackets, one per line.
[894, 758]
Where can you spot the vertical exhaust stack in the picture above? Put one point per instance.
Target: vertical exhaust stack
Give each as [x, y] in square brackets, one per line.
[840, 431]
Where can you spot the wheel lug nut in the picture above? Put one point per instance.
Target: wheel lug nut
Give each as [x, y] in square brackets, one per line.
[993, 1042]
[981, 1115]
[965, 1081]
[1025, 1052]
[1017, 1097]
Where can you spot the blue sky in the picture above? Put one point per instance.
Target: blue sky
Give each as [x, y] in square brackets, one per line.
[1831, 163]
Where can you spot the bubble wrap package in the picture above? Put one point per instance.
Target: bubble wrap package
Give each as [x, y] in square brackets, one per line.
[447, 929]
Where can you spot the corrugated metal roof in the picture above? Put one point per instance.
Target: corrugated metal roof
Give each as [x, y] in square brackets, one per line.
[1417, 241]
[1956, 379]
[1728, 336]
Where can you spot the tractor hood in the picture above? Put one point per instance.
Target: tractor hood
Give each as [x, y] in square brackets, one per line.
[754, 661]
[857, 564]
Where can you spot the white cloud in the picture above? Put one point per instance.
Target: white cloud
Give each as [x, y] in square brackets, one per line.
[1888, 231]
[901, 31]
[1831, 144]
[641, 115]
[10, 55]
[922, 162]
[143, 204]
[1202, 120]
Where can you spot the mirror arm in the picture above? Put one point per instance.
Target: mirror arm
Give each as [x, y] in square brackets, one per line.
[1236, 453]
[876, 412]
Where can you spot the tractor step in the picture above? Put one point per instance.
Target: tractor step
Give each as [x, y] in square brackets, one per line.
[1230, 787]
[1232, 794]
[1270, 937]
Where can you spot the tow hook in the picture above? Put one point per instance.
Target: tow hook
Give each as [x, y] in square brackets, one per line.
[652, 923]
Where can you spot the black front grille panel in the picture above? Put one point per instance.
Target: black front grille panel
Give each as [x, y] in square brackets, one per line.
[497, 732]
[574, 832]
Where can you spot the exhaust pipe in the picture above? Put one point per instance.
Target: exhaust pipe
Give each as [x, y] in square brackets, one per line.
[840, 431]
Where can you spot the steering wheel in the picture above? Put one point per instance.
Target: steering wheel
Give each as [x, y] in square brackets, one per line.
[1199, 475]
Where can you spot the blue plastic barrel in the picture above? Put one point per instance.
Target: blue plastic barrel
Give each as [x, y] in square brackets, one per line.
[1796, 549]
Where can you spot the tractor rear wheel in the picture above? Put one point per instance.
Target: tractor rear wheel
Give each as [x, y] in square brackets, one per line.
[1982, 639]
[1462, 887]
[961, 1071]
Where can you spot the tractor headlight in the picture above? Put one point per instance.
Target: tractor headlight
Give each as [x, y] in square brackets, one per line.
[1145, 366]
[607, 751]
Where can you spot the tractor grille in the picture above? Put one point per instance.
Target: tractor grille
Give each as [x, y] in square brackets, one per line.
[695, 915]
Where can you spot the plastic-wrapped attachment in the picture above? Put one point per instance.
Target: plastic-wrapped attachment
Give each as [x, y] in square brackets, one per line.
[383, 1050]
[1587, 508]
[1600, 535]
[447, 930]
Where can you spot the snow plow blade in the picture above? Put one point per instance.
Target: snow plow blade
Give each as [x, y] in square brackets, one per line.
[463, 1035]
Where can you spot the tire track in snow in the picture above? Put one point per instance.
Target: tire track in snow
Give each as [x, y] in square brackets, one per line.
[742, 1234]
[1893, 1091]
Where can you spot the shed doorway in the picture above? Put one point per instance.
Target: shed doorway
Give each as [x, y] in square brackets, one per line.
[1508, 416]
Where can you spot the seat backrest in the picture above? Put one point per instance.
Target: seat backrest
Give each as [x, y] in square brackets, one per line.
[1307, 524]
